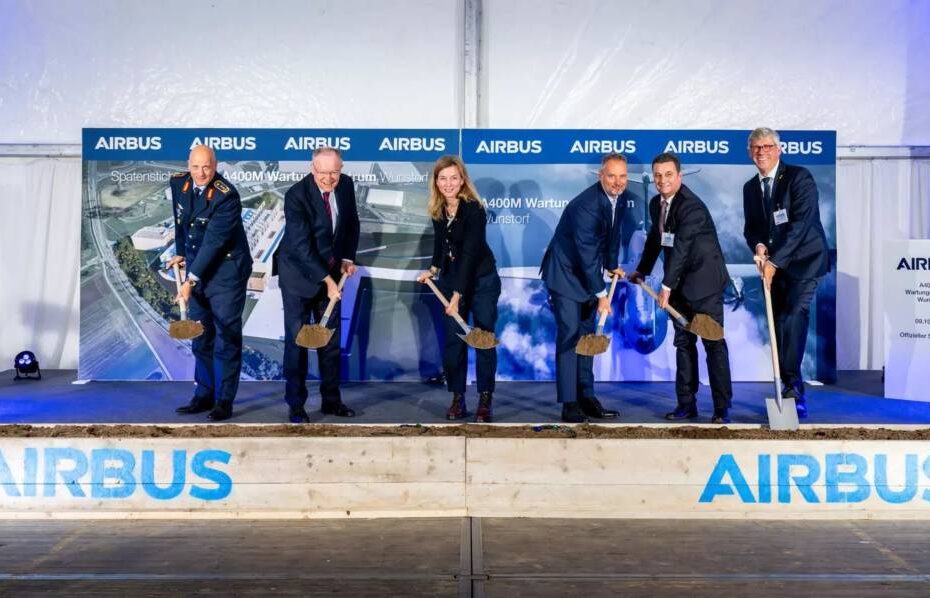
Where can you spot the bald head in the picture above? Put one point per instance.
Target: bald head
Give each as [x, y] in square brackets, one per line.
[202, 165]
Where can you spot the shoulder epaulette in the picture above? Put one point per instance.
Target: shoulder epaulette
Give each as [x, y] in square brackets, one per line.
[178, 174]
[221, 186]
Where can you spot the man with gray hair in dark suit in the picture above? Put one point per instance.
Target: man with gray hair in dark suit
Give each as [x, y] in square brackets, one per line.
[785, 235]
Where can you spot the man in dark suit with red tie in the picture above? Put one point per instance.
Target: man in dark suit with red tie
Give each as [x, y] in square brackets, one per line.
[694, 280]
[784, 233]
[319, 245]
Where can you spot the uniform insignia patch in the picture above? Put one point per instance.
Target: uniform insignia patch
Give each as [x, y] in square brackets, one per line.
[221, 186]
[209, 193]
[178, 174]
[187, 185]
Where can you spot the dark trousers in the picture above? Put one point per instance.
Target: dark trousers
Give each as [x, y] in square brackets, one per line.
[481, 305]
[791, 306]
[686, 354]
[574, 373]
[298, 311]
[218, 351]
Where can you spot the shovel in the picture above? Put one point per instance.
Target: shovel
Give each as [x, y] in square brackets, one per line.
[595, 344]
[183, 329]
[473, 337]
[782, 412]
[701, 325]
[317, 335]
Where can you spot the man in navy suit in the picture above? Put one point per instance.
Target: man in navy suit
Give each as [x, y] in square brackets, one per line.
[784, 233]
[586, 243]
[210, 239]
[694, 280]
[319, 245]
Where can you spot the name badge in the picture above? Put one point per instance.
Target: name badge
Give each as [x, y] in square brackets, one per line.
[781, 216]
[668, 239]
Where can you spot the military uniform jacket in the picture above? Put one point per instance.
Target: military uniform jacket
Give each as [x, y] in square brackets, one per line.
[208, 232]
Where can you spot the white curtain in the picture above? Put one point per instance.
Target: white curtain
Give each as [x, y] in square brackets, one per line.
[876, 199]
[40, 219]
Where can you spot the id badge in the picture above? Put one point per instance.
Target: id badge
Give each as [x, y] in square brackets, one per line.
[668, 239]
[781, 216]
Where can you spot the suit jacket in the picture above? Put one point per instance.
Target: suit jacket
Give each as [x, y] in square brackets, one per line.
[310, 250]
[798, 247]
[694, 264]
[460, 248]
[585, 243]
[208, 232]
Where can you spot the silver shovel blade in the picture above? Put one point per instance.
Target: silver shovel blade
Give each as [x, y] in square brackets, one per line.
[784, 416]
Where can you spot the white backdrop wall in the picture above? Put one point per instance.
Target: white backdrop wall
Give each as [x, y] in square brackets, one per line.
[854, 66]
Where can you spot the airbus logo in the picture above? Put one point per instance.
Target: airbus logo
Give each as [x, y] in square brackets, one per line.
[128, 143]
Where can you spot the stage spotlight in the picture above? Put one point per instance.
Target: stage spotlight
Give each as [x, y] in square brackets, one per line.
[25, 365]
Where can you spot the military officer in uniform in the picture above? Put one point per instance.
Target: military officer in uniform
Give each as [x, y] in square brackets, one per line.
[211, 242]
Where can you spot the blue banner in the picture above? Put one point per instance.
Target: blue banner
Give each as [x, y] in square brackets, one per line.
[270, 144]
[586, 146]
[393, 328]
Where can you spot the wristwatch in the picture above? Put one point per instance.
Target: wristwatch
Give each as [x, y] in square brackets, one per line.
[191, 281]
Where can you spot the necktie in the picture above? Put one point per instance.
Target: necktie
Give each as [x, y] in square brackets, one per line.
[767, 196]
[329, 209]
[663, 213]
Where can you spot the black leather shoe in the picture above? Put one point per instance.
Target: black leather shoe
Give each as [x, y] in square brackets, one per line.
[298, 415]
[339, 410]
[682, 412]
[197, 405]
[800, 401]
[593, 408]
[572, 414]
[720, 417]
[484, 414]
[457, 409]
[222, 411]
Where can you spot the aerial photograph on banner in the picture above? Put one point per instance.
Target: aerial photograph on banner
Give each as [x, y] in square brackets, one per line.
[392, 327]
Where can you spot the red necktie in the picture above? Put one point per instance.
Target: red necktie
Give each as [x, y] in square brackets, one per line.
[329, 210]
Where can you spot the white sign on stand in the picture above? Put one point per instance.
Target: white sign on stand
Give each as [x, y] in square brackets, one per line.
[907, 319]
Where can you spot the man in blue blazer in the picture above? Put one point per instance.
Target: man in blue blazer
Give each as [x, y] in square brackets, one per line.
[695, 276]
[210, 239]
[319, 245]
[586, 243]
[785, 235]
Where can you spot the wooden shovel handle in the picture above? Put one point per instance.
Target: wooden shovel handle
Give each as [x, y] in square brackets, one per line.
[445, 303]
[332, 304]
[610, 295]
[177, 281]
[771, 321]
[671, 310]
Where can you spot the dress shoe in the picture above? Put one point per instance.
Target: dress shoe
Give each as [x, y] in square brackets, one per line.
[197, 405]
[222, 411]
[484, 413]
[298, 415]
[457, 409]
[720, 417]
[593, 408]
[682, 412]
[340, 409]
[572, 414]
[800, 401]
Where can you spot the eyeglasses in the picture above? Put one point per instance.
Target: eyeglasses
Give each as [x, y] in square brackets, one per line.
[767, 147]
